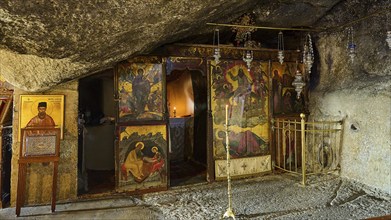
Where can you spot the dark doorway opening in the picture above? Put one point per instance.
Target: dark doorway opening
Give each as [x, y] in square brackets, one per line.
[6, 104]
[187, 105]
[96, 165]
[5, 160]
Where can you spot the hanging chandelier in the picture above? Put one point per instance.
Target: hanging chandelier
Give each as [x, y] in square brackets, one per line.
[280, 47]
[308, 53]
[351, 45]
[216, 40]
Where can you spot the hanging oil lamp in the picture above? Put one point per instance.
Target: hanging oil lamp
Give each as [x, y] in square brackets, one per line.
[351, 45]
[248, 57]
[298, 83]
[216, 54]
[308, 53]
[388, 39]
[280, 55]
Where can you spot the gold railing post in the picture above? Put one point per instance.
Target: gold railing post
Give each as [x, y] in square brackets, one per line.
[303, 148]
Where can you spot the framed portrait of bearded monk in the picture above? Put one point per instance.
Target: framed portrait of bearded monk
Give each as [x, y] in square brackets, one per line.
[41, 111]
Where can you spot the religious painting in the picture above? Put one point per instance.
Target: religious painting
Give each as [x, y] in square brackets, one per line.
[40, 141]
[241, 96]
[140, 91]
[41, 111]
[142, 157]
[285, 99]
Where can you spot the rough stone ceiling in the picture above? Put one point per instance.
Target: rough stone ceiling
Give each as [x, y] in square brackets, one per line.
[46, 42]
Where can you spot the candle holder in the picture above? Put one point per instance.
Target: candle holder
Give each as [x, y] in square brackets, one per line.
[229, 213]
[174, 112]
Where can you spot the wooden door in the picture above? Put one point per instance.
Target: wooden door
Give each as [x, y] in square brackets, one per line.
[141, 125]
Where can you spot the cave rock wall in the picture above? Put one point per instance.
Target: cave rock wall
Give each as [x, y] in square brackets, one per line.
[359, 93]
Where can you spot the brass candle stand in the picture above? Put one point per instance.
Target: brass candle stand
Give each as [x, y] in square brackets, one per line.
[229, 212]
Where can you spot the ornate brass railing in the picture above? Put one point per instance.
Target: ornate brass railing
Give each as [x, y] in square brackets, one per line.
[307, 147]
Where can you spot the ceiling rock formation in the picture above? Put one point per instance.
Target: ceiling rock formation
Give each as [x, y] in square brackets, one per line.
[44, 43]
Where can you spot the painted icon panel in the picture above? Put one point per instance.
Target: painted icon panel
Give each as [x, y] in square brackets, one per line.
[140, 90]
[246, 93]
[41, 111]
[285, 99]
[142, 157]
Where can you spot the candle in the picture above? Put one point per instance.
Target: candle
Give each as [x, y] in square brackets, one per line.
[174, 112]
[226, 115]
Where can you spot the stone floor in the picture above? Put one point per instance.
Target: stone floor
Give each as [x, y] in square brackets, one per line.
[267, 197]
